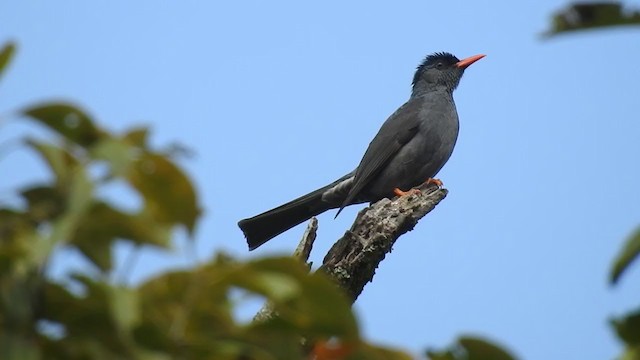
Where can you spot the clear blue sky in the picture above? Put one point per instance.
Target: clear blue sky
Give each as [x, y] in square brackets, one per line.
[278, 98]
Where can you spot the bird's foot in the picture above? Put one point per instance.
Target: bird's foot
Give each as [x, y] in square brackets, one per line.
[436, 182]
[399, 192]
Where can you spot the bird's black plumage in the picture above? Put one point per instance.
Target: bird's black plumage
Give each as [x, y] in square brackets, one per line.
[411, 146]
[443, 58]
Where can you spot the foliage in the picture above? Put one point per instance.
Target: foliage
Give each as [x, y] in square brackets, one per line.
[590, 15]
[187, 313]
[587, 16]
[181, 314]
[6, 54]
[627, 327]
[626, 256]
[471, 348]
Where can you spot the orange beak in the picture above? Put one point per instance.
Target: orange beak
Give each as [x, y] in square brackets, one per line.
[464, 63]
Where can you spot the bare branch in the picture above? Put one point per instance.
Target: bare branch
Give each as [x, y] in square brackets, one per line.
[302, 252]
[306, 244]
[353, 259]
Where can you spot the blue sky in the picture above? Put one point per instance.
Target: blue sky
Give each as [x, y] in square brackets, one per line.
[279, 98]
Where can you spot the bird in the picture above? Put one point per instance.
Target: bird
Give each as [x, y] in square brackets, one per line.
[410, 148]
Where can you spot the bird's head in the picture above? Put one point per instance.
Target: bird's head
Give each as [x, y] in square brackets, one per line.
[440, 70]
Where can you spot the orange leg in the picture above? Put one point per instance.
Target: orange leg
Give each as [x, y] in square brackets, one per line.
[437, 182]
[399, 192]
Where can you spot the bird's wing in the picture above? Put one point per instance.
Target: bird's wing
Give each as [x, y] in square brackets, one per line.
[398, 130]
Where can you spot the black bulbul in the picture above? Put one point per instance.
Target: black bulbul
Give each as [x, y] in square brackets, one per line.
[409, 149]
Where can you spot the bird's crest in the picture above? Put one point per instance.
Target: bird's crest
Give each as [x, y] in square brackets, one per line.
[444, 57]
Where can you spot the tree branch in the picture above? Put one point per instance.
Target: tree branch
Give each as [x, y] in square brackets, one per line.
[353, 259]
[306, 244]
[302, 253]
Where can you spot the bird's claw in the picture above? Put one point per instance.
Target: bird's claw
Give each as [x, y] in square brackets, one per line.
[399, 192]
[436, 182]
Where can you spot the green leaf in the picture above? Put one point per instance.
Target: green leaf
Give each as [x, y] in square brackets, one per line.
[59, 160]
[374, 352]
[182, 309]
[58, 301]
[628, 254]
[471, 348]
[441, 355]
[45, 203]
[19, 301]
[102, 225]
[5, 55]
[631, 354]
[118, 153]
[314, 307]
[480, 349]
[90, 320]
[16, 231]
[124, 307]
[278, 279]
[168, 193]
[586, 16]
[14, 347]
[192, 311]
[79, 199]
[67, 120]
[628, 328]
[137, 137]
[278, 286]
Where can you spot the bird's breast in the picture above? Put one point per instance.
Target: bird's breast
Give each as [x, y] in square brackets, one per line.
[423, 156]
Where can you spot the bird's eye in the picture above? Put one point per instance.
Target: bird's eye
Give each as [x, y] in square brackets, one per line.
[439, 65]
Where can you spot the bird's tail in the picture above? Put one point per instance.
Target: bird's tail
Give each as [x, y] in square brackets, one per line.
[262, 228]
